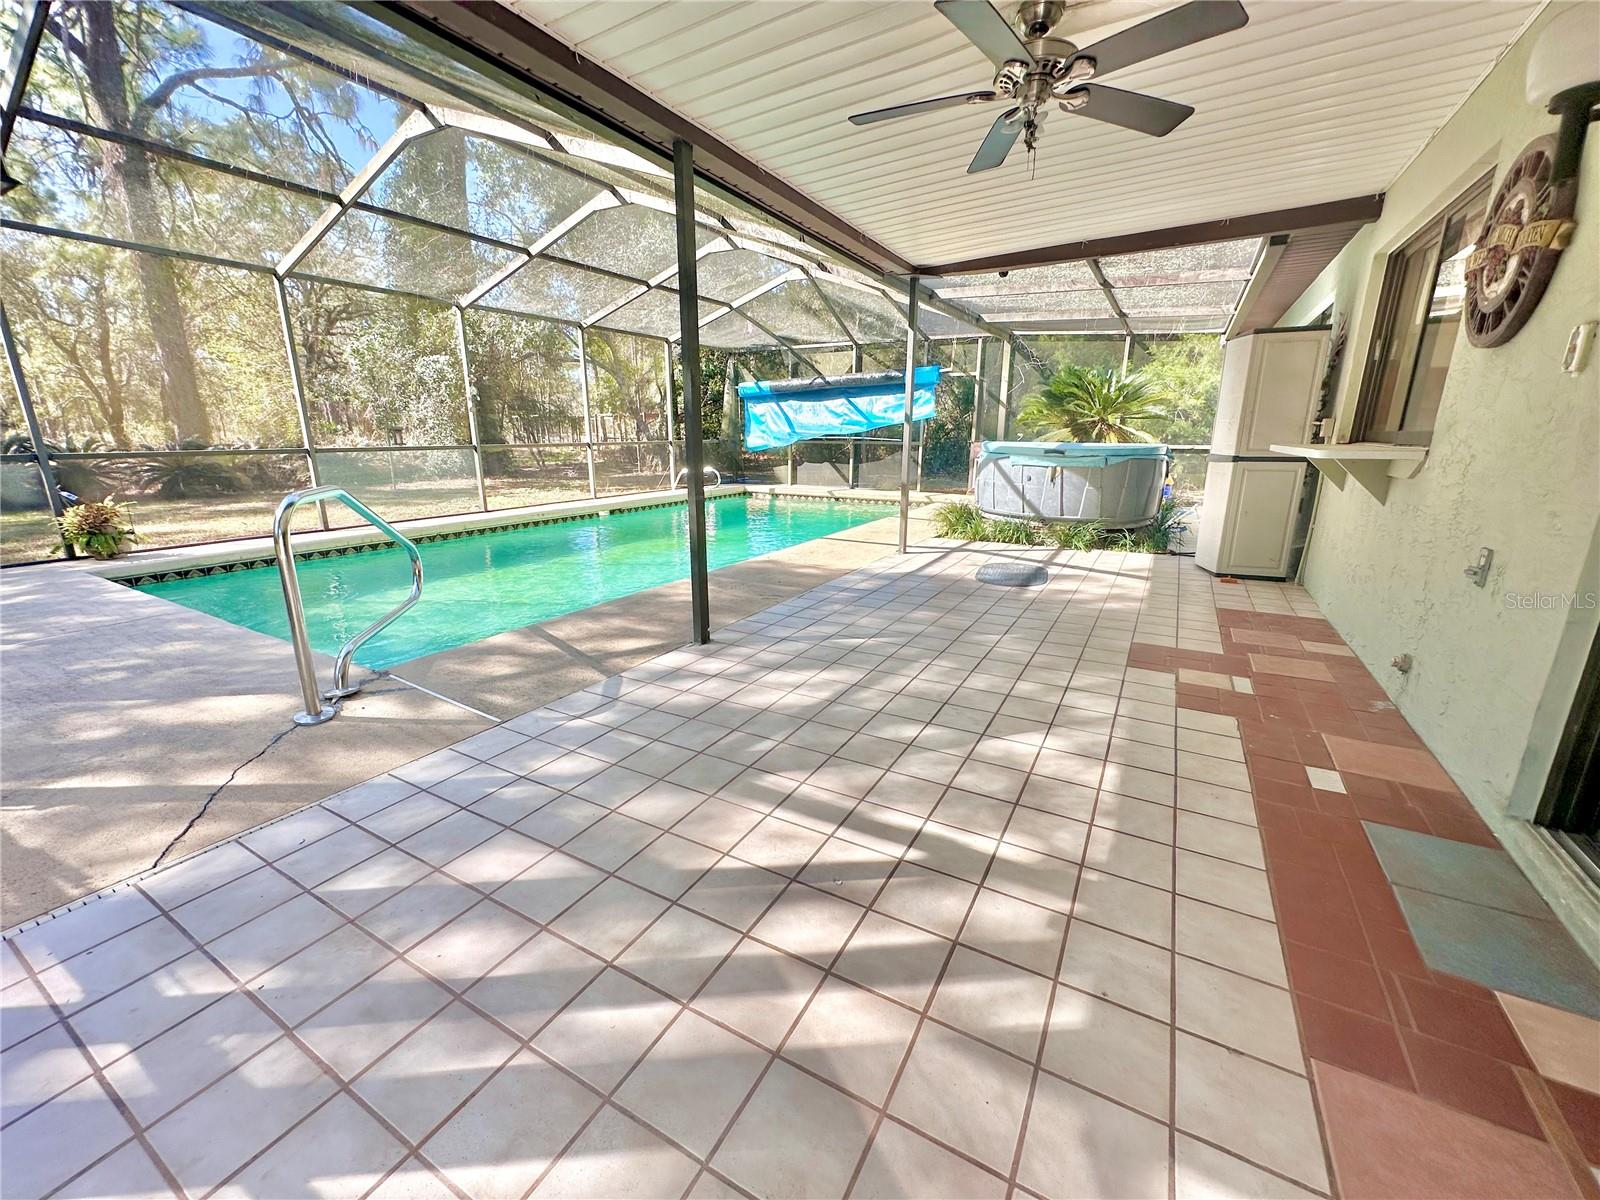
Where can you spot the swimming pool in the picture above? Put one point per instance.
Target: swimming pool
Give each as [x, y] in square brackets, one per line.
[477, 586]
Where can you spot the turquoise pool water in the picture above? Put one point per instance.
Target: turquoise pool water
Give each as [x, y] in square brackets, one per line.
[475, 587]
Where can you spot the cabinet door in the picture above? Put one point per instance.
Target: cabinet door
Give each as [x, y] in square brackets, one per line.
[1237, 357]
[1261, 508]
[1285, 379]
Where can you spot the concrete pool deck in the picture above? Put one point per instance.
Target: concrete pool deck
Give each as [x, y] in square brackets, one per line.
[134, 731]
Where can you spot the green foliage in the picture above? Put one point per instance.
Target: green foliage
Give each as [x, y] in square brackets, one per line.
[1013, 532]
[963, 521]
[72, 475]
[187, 477]
[99, 528]
[947, 438]
[1076, 535]
[1061, 351]
[1157, 537]
[1188, 372]
[1186, 369]
[958, 520]
[152, 350]
[1091, 404]
[714, 382]
[628, 396]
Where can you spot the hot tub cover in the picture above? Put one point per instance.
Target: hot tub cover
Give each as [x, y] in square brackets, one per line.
[781, 412]
[1072, 454]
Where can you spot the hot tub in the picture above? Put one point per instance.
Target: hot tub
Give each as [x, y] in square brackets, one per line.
[1117, 485]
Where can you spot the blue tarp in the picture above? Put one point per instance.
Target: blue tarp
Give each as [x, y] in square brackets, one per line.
[778, 414]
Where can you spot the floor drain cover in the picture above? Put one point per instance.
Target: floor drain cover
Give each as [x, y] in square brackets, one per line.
[1013, 574]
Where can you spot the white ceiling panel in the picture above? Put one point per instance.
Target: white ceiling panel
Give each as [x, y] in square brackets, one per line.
[1310, 102]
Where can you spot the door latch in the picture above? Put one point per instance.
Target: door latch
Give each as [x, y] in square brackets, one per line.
[1478, 572]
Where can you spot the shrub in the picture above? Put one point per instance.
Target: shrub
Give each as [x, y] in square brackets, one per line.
[963, 522]
[99, 528]
[1157, 536]
[174, 478]
[960, 521]
[1081, 535]
[1014, 533]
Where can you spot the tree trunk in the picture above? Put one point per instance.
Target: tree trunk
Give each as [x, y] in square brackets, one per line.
[132, 179]
[112, 407]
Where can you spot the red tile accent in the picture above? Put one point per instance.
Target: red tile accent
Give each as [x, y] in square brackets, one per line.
[1394, 948]
[1286, 709]
[1348, 1039]
[1402, 764]
[1305, 920]
[1389, 812]
[1582, 1111]
[1313, 750]
[1350, 982]
[1321, 885]
[1289, 848]
[1341, 830]
[1279, 769]
[1280, 791]
[1335, 804]
[1397, 998]
[1235, 705]
[1358, 784]
[1477, 1024]
[1466, 828]
[1473, 1083]
[1421, 1074]
[1265, 637]
[1388, 1143]
[1432, 799]
[1379, 906]
[1272, 746]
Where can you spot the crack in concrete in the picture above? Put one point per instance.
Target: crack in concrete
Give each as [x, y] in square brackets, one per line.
[205, 804]
[217, 791]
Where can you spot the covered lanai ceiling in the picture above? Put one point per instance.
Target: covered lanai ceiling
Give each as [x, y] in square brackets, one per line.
[1309, 103]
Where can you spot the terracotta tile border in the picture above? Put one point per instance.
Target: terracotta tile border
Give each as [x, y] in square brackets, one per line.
[1366, 1000]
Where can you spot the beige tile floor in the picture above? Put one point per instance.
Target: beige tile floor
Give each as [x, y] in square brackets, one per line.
[907, 886]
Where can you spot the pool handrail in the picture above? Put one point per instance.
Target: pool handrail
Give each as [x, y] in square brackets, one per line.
[683, 475]
[316, 711]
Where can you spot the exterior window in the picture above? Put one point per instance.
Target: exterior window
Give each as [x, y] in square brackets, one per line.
[1419, 312]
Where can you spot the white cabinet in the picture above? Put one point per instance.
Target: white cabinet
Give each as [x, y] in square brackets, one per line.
[1270, 384]
[1247, 525]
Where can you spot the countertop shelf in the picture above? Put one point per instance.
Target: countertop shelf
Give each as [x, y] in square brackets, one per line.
[1371, 464]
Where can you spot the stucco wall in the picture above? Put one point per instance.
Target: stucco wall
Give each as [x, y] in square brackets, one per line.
[1512, 466]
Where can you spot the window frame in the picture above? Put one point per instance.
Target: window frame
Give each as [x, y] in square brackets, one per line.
[1397, 337]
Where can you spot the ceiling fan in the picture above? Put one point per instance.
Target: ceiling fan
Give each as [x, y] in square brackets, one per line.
[1035, 68]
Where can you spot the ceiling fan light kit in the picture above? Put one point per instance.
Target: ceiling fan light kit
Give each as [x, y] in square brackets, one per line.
[1035, 69]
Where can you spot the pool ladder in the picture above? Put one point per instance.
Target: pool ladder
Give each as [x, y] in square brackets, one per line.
[316, 712]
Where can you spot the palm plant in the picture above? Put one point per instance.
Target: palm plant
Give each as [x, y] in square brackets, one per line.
[73, 476]
[1090, 404]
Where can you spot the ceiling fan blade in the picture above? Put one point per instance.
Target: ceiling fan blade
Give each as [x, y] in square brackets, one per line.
[985, 29]
[997, 143]
[1131, 110]
[920, 106]
[1172, 30]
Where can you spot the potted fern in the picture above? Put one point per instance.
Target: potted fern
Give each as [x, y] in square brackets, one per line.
[98, 528]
